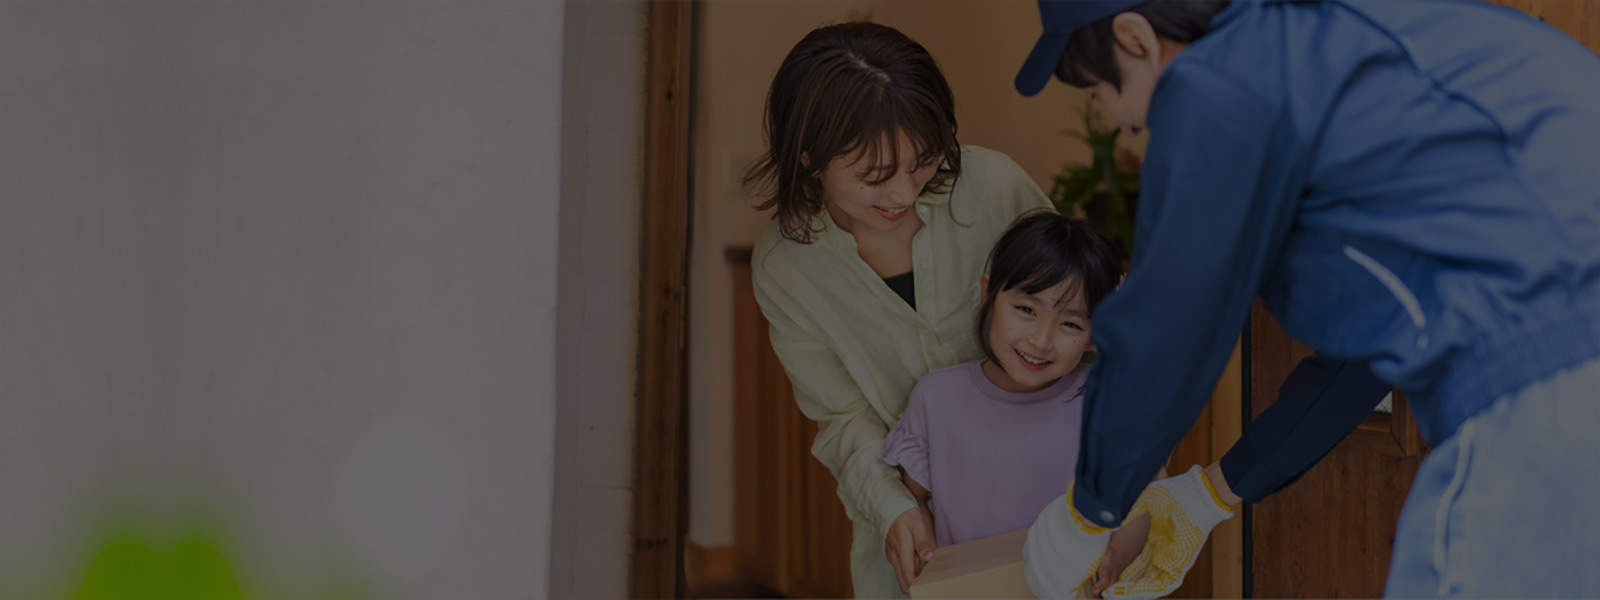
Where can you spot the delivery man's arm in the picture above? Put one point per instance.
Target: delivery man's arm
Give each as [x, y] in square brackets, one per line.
[1221, 181]
[1321, 402]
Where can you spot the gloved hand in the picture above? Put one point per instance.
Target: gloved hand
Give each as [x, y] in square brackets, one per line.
[1183, 510]
[1061, 550]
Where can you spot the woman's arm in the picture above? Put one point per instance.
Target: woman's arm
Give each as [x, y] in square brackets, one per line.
[922, 495]
[1014, 190]
[850, 433]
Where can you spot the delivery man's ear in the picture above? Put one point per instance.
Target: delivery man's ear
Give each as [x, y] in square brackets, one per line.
[1136, 37]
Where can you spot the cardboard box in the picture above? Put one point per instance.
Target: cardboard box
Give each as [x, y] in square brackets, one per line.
[986, 568]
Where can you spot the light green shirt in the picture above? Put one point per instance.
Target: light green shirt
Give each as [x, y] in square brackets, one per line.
[853, 349]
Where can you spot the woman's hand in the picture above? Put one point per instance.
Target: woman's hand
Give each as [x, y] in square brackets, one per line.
[909, 545]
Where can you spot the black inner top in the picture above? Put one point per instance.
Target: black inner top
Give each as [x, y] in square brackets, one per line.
[904, 285]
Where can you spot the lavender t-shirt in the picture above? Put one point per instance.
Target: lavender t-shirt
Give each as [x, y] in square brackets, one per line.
[990, 459]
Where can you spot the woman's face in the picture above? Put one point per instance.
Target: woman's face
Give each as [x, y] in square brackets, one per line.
[1038, 338]
[862, 196]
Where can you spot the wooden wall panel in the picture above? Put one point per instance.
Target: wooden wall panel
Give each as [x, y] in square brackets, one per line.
[1577, 18]
[661, 451]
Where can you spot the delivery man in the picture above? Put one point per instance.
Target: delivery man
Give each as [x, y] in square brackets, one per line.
[1413, 188]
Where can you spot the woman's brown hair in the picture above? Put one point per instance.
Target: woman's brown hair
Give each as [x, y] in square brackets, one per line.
[846, 89]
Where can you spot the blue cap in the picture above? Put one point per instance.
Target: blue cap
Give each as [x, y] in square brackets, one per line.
[1061, 18]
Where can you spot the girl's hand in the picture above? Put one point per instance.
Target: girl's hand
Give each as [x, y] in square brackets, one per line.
[1110, 570]
[1125, 546]
[909, 545]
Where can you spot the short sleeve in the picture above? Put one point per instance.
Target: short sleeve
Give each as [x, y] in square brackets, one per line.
[907, 443]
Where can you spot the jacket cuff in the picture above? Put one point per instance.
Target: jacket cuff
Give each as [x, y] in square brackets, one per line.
[1247, 476]
[1098, 512]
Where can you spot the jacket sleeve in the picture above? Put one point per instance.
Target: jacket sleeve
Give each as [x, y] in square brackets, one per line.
[1321, 402]
[1219, 185]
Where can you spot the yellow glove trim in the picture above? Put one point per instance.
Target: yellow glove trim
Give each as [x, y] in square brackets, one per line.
[1214, 496]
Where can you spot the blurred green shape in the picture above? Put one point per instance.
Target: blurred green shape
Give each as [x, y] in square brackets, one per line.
[129, 568]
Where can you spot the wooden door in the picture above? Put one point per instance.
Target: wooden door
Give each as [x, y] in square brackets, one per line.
[1330, 534]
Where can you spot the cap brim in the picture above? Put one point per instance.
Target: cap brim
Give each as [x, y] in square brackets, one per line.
[1041, 63]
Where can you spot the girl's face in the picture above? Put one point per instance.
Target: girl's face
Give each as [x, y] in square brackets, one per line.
[1038, 338]
[863, 196]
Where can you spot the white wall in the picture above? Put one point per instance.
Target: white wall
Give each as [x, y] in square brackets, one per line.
[979, 45]
[86, 213]
[602, 160]
[289, 268]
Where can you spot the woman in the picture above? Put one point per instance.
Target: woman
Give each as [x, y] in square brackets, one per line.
[869, 270]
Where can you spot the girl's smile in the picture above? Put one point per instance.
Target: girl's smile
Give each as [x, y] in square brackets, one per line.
[1032, 363]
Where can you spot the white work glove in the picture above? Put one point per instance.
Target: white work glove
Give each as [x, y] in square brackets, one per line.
[1183, 510]
[1061, 549]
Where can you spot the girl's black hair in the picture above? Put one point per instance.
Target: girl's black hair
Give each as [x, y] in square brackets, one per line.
[1090, 56]
[1042, 249]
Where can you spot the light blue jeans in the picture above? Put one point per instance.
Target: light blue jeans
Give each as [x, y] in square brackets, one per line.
[1509, 506]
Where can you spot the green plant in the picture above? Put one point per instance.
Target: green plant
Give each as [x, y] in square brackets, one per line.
[1107, 195]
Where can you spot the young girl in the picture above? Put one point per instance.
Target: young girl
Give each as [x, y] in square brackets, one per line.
[869, 271]
[985, 445]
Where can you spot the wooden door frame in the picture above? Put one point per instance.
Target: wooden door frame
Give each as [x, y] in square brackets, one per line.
[660, 457]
